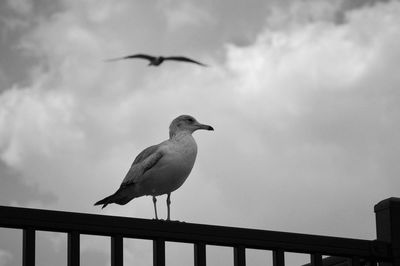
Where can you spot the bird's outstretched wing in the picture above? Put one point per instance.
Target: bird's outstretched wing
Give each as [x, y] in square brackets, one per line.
[141, 56]
[183, 59]
[147, 159]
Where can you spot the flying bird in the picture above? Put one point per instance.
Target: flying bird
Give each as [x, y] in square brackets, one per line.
[157, 60]
[162, 168]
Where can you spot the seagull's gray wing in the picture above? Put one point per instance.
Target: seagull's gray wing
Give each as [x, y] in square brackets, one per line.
[183, 59]
[142, 56]
[147, 159]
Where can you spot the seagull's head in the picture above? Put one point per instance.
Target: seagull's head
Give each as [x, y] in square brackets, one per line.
[186, 123]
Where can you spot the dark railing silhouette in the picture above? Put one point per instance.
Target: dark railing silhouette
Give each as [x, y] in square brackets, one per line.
[341, 251]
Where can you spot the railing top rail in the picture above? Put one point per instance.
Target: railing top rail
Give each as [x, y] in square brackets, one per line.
[60, 221]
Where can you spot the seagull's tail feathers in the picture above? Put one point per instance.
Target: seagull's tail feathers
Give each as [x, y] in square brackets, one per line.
[119, 197]
[106, 201]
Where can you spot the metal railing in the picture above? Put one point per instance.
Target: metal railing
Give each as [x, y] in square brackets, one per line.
[385, 249]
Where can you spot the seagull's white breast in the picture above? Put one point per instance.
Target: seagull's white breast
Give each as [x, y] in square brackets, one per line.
[179, 155]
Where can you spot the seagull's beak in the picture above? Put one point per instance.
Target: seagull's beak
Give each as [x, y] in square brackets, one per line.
[203, 126]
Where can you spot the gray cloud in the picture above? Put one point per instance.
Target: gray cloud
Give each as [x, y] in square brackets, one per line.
[18, 18]
[316, 113]
[305, 111]
[15, 190]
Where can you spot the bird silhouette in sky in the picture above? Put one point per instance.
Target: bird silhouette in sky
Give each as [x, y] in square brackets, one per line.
[162, 168]
[157, 60]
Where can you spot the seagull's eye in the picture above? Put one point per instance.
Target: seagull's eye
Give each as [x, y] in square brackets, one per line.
[191, 120]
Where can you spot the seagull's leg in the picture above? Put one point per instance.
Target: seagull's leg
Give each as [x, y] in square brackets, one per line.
[168, 205]
[155, 206]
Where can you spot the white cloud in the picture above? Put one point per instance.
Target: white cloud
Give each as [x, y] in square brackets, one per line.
[10, 24]
[305, 121]
[184, 13]
[23, 7]
[300, 13]
[304, 113]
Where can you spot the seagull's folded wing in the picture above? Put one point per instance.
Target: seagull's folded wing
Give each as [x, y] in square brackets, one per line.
[147, 159]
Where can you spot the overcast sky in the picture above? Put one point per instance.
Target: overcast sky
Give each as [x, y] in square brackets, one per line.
[303, 95]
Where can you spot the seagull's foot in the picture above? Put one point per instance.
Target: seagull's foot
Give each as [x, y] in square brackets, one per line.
[162, 220]
[168, 221]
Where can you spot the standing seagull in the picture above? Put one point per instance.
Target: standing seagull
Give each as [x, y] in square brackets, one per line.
[161, 169]
[157, 60]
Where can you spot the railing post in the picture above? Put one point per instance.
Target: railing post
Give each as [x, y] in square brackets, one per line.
[158, 252]
[387, 214]
[239, 256]
[117, 250]
[316, 259]
[199, 254]
[73, 249]
[355, 261]
[28, 247]
[278, 257]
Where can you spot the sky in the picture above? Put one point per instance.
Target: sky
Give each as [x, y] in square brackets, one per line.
[303, 97]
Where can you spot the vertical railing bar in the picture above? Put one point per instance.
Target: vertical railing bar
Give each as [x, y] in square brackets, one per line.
[239, 256]
[199, 254]
[73, 256]
[355, 261]
[316, 259]
[117, 251]
[28, 247]
[158, 252]
[278, 257]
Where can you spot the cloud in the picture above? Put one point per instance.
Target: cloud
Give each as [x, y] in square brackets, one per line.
[309, 92]
[21, 6]
[3, 79]
[304, 92]
[306, 117]
[15, 191]
[299, 13]
[181, 14]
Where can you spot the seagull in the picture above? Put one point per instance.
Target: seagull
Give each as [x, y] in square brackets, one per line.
[162, 168]
[157, 60]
